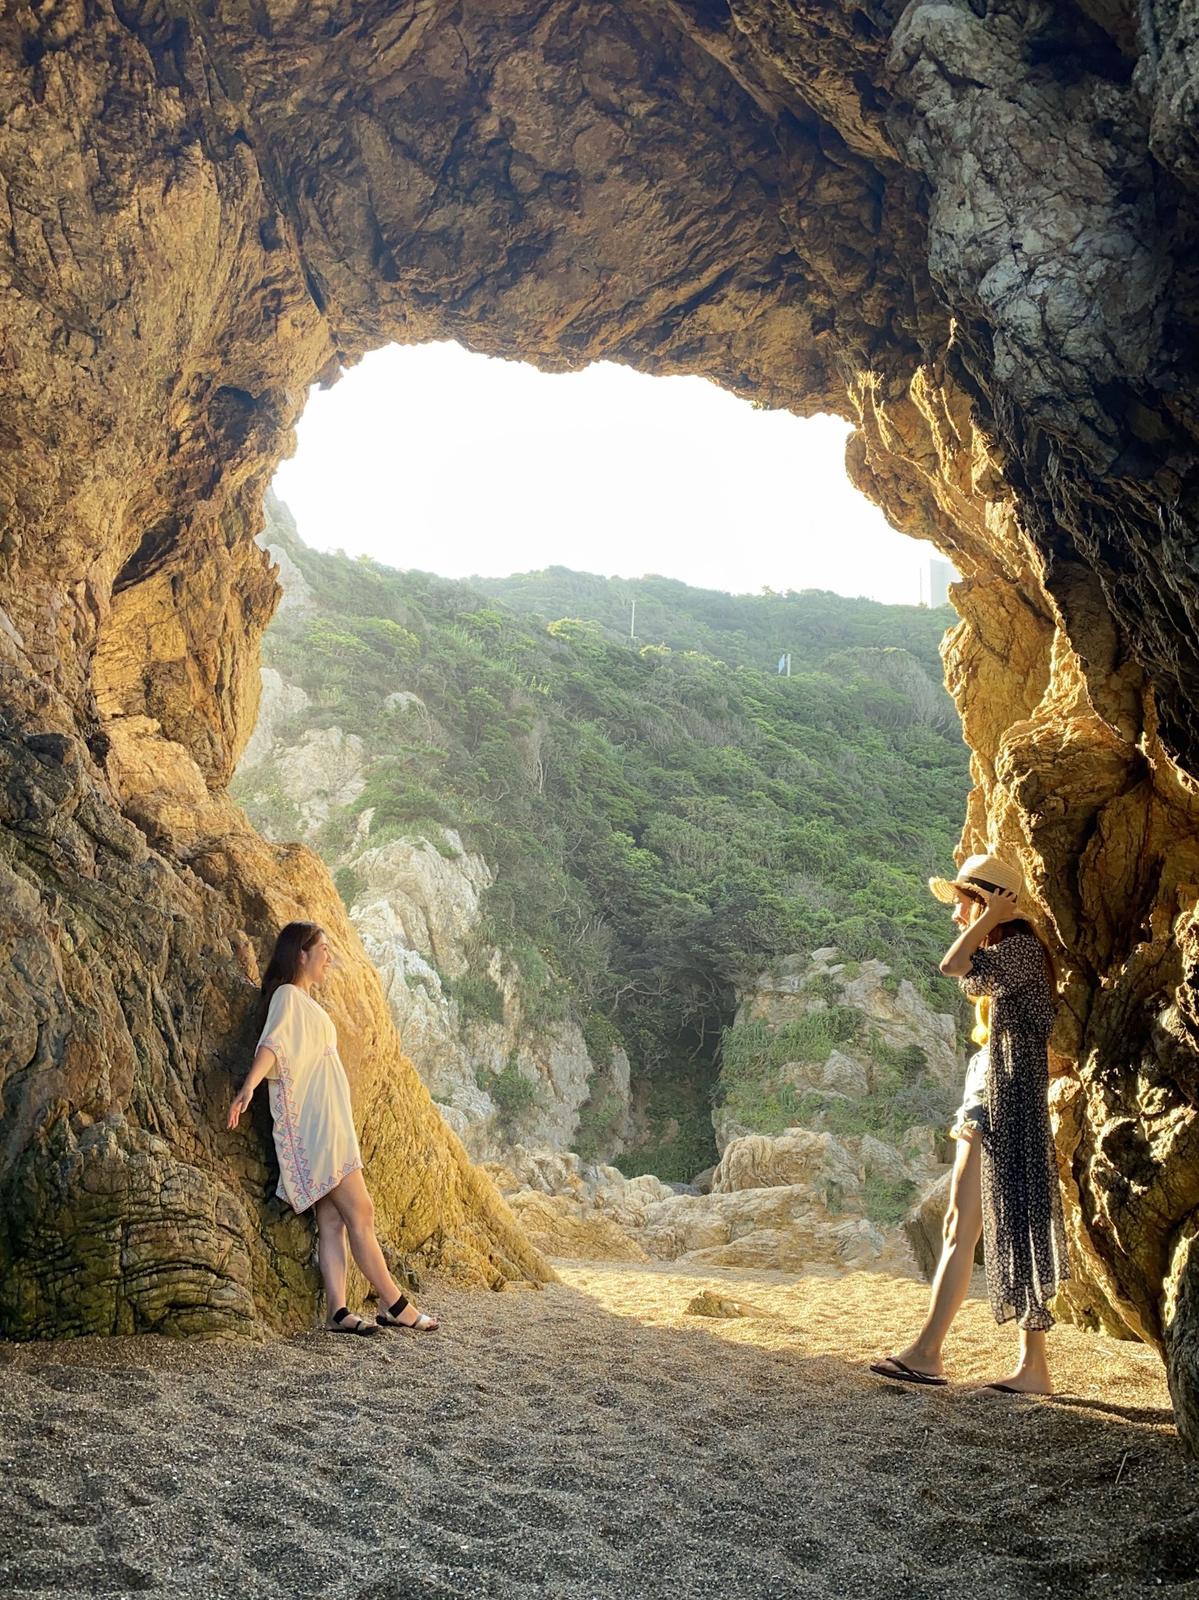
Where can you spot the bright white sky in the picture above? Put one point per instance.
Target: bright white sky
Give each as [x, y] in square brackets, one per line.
[428, 456]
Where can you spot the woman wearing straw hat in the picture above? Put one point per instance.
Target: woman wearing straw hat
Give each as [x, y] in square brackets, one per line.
[1004, 1185]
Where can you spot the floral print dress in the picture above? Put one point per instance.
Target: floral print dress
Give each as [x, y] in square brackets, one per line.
[1023, 1235]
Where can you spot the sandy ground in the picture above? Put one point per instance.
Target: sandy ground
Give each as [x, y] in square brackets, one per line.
[593, 1441]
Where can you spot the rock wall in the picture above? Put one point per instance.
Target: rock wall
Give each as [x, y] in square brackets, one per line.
[843, 1046]
[969, 227]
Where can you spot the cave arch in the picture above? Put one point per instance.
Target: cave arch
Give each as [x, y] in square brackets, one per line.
[969, 229]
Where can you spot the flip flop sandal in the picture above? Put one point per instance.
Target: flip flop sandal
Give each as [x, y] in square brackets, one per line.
[388, 1319]
[1006, 1388]
[362, 1328]
[902, 1373]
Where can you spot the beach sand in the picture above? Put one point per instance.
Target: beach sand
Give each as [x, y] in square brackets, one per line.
[593, 1440]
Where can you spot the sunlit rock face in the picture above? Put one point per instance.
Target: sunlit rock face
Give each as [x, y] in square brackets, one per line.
[968, 228]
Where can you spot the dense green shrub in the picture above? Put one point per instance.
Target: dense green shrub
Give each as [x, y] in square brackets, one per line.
[514, 1095]
[477, 996]
[886, 1200]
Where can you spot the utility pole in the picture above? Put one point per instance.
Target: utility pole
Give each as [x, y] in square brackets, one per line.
[632, 619]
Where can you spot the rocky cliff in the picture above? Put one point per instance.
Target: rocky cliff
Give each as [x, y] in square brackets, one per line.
[496, 1070]
[970, 228]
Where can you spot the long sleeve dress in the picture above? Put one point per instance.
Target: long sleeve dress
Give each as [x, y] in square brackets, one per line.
[1023, 1235]
[310, 1099]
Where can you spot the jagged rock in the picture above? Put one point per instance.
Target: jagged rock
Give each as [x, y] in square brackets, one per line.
[968, 228]
[278, 701]
[574, 1210]
[297, 599]
[900, 1017]
[923, 1146]
[709, 1304]
[796, 1246]
[726, 1127]
[844, 1075]
[815, 1162]
[320, 774]
[430, 897]
[881, 1159]
[401, 699]
[562, 1227]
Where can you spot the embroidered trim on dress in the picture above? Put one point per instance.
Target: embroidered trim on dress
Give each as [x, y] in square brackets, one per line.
[294, 1157]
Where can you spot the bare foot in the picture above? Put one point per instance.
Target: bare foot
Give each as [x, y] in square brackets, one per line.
[1025, 1380]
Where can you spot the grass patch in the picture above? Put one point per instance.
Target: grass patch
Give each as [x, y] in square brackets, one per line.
[515, 1098]
[887, 1116]
[478, 998]
[886, 1200]
[349, 885]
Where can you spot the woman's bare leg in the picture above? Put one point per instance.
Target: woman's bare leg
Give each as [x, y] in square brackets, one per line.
[962, 1231]
[331, 1253]
[357, 1210]
[1032, 1371]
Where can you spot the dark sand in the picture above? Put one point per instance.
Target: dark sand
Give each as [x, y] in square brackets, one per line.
[593, 1441]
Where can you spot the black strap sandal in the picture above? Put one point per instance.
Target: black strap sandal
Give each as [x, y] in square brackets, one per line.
[390, 1318]
[902, 1373]
[363, 1329]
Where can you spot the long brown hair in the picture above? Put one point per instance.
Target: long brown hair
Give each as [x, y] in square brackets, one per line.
[285, 958]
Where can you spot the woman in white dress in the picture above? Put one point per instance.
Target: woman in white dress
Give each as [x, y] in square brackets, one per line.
[320, 1165]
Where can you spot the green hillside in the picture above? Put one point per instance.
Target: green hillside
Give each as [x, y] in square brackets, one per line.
[662, 821]
[742, 629]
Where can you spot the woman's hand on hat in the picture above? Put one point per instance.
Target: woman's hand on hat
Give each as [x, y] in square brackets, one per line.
[1000, 905]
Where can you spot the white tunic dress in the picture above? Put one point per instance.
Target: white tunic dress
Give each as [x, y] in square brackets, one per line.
[310, 1099]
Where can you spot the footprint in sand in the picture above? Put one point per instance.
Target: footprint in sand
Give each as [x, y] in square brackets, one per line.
[534, 1510]
[474, 1519]
[806, 1552]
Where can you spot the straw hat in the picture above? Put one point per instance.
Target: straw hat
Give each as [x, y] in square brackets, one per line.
[984, 871]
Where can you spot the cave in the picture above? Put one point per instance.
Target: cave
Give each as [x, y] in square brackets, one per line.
[967, 228]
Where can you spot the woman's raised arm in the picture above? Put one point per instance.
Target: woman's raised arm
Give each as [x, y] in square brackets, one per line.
[1000, 907]
[262, 1066]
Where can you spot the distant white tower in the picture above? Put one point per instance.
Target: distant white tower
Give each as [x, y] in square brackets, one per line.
[940, 575]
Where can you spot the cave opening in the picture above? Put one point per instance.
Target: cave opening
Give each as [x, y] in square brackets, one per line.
[581, 566]
[963, 227]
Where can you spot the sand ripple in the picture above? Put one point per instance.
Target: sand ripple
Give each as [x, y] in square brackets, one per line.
[593, 1441]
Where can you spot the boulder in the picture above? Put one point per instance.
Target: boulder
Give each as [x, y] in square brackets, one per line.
[816, 1162]
[844, 1075]
[882, 1160]
[710, 1304]
[561, 1227]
